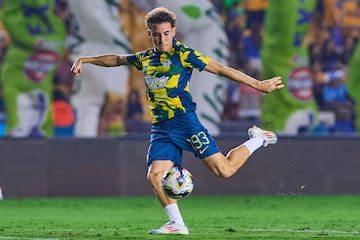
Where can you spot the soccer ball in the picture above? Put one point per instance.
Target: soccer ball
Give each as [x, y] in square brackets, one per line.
[177, 183]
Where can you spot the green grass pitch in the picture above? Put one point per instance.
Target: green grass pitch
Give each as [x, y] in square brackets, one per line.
[208, 217]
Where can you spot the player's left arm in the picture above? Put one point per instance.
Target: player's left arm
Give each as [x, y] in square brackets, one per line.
[265, 86]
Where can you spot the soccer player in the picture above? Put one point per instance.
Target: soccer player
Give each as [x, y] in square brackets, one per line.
[167, 69]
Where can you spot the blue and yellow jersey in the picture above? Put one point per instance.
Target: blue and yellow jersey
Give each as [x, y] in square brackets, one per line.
[167, 79]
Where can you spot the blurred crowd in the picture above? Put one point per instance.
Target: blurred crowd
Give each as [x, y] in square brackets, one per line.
[330, 47]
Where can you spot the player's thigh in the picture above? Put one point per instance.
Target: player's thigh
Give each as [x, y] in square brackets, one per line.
[217, 163]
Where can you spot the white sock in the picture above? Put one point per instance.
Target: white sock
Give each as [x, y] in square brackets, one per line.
[173, 212]
[253, 144]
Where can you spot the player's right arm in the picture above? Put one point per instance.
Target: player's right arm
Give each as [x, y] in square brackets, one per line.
[106, 60]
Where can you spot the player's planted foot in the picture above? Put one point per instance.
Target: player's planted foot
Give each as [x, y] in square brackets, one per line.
[268, 136]
[171, 228]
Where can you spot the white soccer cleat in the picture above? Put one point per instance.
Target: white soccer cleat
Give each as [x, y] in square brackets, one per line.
[171, 228]
[268, 136]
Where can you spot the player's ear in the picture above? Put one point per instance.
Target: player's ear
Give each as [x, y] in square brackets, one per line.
[149, 33]
[174, 31]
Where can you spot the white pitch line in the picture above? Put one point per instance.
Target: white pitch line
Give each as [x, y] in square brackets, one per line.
[327, 231]
[274, 230]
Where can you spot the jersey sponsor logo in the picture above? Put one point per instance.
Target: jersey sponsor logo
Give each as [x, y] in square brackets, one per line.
[156, 82]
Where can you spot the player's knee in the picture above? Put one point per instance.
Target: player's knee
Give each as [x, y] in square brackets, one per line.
[154, 177]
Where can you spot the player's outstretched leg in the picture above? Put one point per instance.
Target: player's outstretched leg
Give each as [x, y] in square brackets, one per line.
[227, 166]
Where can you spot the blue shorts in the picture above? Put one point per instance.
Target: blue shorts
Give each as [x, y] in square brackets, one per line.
[169, 138]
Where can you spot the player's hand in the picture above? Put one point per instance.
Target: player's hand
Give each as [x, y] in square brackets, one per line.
[271, 84]
[76, 68]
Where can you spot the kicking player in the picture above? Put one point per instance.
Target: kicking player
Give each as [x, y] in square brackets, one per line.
[167, 68]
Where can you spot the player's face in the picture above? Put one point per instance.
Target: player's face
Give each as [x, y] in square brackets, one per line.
[162, 36]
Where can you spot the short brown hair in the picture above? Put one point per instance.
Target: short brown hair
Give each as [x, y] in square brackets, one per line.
[160, 15]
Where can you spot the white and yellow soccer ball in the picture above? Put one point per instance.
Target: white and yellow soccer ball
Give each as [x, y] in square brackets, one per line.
[177, 183]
